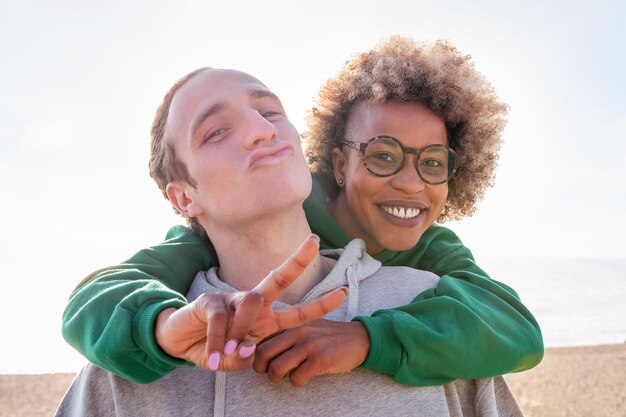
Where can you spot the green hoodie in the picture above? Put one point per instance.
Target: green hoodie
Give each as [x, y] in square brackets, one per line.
[468, 327]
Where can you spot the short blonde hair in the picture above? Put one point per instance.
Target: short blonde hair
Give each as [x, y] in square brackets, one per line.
[435, 75]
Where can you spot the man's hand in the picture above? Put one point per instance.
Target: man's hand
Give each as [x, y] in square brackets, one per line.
[208, 331]
[317, 348]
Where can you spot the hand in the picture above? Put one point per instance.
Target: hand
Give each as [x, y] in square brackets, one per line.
[317, 348]
[214, 323]
[185, 333]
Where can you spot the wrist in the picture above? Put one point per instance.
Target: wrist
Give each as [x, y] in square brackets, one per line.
[160, 329]
[362, 338]
[144, 334]
[385, 353]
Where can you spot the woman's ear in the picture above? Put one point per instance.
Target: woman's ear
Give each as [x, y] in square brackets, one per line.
[339, 166]
[182, 199]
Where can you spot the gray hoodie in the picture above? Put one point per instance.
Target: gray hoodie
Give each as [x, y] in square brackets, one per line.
[190, 391]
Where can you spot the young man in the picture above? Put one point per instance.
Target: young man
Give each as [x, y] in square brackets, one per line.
[236, 168]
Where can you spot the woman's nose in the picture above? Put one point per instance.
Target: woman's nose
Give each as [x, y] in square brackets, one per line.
[407, 179]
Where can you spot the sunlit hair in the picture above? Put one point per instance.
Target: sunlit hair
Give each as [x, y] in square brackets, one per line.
[165, 167]
[435, 75]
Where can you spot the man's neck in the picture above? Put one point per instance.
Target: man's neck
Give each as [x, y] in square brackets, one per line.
[248, 252]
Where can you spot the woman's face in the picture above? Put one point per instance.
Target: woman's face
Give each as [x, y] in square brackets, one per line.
[388, 212]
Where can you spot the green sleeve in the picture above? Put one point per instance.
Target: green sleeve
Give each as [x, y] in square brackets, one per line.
[469, 326]
[110, 316]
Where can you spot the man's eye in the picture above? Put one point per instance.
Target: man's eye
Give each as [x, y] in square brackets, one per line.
[270, 113]
[213, 134]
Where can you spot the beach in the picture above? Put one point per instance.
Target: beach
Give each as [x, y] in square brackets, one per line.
[576, 381]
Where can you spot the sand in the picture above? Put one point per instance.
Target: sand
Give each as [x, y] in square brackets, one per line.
[32, 395]
[582, 381]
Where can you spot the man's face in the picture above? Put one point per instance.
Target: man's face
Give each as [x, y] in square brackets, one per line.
[239, 147]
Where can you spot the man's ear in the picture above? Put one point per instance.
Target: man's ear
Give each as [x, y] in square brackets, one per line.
[179, 194]
[339, 166]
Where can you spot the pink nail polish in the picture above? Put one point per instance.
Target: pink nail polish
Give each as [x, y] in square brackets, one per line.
[230, 347]
[214, 361]
[247, 351]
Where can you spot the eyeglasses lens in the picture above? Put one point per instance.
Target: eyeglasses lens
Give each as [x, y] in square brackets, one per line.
[384, 156]
[433, 164]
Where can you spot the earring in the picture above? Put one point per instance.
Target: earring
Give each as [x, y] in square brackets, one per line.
[340, 182]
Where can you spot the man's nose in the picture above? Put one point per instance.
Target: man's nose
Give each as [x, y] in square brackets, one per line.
[259, 130]
[407, 179]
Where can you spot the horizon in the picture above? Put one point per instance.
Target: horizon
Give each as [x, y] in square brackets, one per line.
[595, 322]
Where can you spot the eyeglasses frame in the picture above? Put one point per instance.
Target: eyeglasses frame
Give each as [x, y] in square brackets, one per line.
[362, 146]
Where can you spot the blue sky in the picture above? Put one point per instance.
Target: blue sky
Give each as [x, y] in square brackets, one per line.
[80, 82]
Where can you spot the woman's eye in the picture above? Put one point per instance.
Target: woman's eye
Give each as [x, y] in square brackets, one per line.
[431, 163]
[386, 157]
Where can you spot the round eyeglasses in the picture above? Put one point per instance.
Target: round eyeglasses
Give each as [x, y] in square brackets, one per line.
[384, 156]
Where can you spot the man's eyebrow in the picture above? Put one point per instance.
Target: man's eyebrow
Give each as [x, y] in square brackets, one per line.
[217, 107]
[197, 121]
[262, 94]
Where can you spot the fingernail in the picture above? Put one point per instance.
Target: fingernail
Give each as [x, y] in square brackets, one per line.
[247, 351]
[230, 347]
[214, 361]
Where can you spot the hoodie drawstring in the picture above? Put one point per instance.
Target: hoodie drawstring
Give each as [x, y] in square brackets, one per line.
[353, 293]
[220, 394]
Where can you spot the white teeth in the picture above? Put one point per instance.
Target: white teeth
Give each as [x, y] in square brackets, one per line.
[401, 212]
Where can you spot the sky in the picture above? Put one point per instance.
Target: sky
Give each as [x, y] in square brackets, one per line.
[80, 82]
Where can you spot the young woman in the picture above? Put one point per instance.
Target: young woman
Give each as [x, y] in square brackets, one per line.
[405, 135]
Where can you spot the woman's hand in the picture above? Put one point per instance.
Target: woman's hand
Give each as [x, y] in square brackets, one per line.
[318, 348]
[219, 331]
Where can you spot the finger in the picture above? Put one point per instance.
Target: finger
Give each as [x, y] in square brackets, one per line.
[273, 285]
[246, 350]
[246, 307]
[213, 306]
[286, 362]
[271, 348]
[237, 362]
[308, 369]
[300, 314]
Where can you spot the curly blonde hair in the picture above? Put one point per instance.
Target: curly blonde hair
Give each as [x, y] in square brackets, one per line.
[435, 75]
